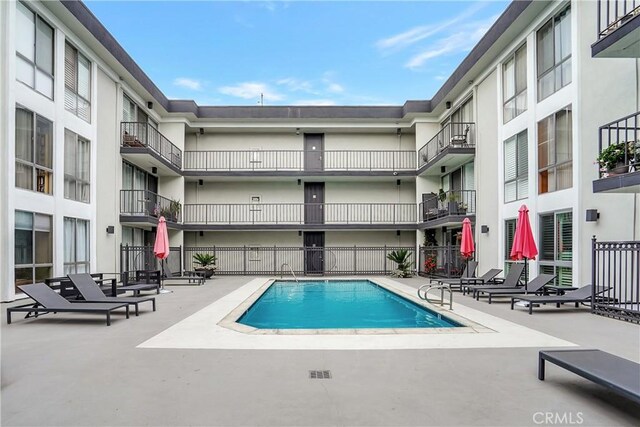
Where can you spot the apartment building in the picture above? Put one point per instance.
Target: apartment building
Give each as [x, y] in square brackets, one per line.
[91, 160]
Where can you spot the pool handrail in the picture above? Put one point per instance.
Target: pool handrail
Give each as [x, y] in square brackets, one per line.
[290, 269]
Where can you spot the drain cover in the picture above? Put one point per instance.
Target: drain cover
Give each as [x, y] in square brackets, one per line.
[320, 375]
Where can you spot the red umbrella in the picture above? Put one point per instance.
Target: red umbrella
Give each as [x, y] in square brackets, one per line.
[467, 248]
[161, 246]
[524, 246]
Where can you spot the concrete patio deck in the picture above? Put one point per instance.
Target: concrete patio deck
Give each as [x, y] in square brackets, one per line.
[72, 370]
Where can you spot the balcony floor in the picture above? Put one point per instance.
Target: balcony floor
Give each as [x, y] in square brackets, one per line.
[625, 183]
[624, 42]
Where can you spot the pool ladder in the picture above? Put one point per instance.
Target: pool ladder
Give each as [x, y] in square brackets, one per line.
[443, 287]
[290, 270]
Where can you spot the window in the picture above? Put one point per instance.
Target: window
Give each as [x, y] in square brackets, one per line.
[516, 180]
[554, 54]
[555, 152]
[34, 51]
[139, 192]
[33, 248]
[514, 84]
[77, 83]
[509, 234]
[34, 152]
[77, 160]
[76, 246]
[556, 246]
[462, 114]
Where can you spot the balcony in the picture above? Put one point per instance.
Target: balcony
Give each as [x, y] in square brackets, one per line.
[619, 156]
[145, 207]
[300, 216]
[299, 163]
[618, 29]
[447, 208]
[453, 146]
[145, 146]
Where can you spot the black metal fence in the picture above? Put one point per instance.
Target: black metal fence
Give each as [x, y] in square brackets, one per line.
[441, 261]
[452, 135]
[294, 160]
[614, 13]
[301, 213]
[262, 260]
[147, 203]
[134, 258]
[141, 134]
[619, 145]
[455, 202]
[616, 267]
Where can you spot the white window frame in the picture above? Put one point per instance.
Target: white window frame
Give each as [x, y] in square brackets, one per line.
[71, 267]
[518, 97]
[77, 179]
[33, 163]
[521, 178]
[74, 102]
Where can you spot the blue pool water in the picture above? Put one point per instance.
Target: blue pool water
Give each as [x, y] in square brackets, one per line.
[337, 304]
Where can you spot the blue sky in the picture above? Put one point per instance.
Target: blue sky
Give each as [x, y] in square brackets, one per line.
[298, 52]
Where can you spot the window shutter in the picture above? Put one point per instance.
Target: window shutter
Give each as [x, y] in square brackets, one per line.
[546, 237]
[510, 171]
[510, 231]
[523, 165]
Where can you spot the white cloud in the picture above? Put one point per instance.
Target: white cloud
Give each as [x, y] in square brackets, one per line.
[335, 88]
[185, 82]
[461, 41]
[251, 90]
[316, 102]
[296, 85]
[417, 34]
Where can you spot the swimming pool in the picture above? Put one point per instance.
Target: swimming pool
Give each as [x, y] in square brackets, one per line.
[338, 304]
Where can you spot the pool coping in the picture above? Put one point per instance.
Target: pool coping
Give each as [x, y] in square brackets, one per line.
[230, 321]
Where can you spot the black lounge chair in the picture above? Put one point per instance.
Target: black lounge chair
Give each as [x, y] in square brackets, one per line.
[192, 277]
[145, 280]
[618, 374]
[486, 278]
[512, 280]
[91, 292]
[578, 296]
[469, 271]
[48, 301]
[534, 286]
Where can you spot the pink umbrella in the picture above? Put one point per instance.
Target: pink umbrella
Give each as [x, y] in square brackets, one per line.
[467, 248]
[524, 246]
[161, 246]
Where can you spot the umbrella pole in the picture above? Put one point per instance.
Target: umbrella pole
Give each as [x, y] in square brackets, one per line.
[526, 276]
[162, 277]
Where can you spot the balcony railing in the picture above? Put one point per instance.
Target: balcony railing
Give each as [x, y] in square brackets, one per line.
[300, 213]
[147, 203]
[619, 146]
[614, 13]
[441, 261]
[143, 135]
[452, 135]
[297, 160]
[456, 202]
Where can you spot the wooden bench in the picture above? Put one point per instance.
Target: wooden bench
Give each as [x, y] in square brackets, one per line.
[620, 375]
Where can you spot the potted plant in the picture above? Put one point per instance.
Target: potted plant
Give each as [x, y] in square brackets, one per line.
[453, 203]
[401, 258]
[442, 196]
[207, 263]
[614, 159]
[174, 209]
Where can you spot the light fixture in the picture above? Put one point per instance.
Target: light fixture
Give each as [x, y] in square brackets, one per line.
[398, 131]
[443, 169]
[484, 229]
[297, 131]
[200, 182]
[299, 233]
[154, 170]
[150, 105]
[201, 233]
[201, 131]
[111, 229]
[593, 215]
[448, 104]
[299, 182]
[397, 232]
[398, 182]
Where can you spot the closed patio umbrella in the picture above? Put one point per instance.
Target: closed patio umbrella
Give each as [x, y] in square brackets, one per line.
[467, 248]
[161, 246]
[524, 246]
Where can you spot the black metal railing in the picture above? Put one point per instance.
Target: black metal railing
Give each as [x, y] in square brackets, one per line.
[297, 160]
[267, 260]
[614, 13]
[140, 134]
[148, 203]
[301, 213]
[616, 268]
[455, 202]
[452, 135]
[441, 261]
[619, 146]
[138, 258]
